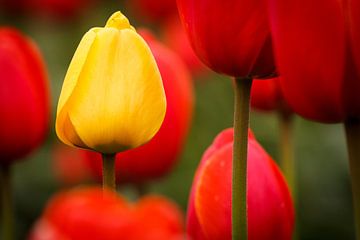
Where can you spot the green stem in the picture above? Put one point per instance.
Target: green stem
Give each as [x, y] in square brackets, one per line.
[287, 161]
[239, 180]
[352, 130]
[286, 147]
[7, 207]
[109, 171]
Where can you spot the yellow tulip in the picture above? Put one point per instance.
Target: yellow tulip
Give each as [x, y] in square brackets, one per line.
[112, 97]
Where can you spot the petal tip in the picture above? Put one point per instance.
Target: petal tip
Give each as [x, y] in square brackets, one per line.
[118, 21]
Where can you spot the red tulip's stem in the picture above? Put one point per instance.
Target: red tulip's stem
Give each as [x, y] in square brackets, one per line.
[286, 148]
[287, 161]
[6, 197]
[239, 176]
[109, 171]
[352, 130]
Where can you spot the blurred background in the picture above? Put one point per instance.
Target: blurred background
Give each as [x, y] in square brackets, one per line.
[324, 206]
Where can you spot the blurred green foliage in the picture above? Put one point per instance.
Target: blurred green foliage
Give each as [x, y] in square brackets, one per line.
[324, 204]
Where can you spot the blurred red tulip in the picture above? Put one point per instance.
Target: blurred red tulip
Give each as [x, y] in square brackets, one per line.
[24, 96]
[318, 54]
[11, 7]
[153, 10]
[266, 95]
[175, 37]
[69, 165]
[270, 208]
[58, 9]
[93, 214]
[167, 221]
[157, 157]
[230, 37]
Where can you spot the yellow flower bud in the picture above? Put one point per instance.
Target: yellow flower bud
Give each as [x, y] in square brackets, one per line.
[112, 97]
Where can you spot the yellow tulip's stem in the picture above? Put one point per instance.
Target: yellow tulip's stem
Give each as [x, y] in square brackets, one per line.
[6, 201]
[286, 148]
[109, 171]
[352, 130]
[239, 173]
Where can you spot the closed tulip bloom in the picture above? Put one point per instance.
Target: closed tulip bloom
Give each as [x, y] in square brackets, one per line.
[270, 208]
[318, 54]
[230, 37]
[24, 96]
[157, 157]
[112, 97]
[90, 213]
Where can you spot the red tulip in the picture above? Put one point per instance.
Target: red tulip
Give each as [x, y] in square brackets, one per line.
[175, 37]
[318, 55]
[230, 37]
[93, 214]
[12, 7]
[266, 95]
[233, 38]
[24, 96]
[270, 209]
[157, 157]
[154, 10]
[318, 52]
[58, 9]
[69, 165]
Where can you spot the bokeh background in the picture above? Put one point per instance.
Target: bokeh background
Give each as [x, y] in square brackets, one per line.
[324, 204]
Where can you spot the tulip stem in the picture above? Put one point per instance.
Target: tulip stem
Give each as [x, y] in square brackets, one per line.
[239, 173]
[109, 171]
[286, 147]
[287, 161]
[6, 200]
[352, 130]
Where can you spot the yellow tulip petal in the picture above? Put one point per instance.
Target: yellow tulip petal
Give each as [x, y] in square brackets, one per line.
[70, 133]
[70, 82]
[118, 101]
[112, 98]
[118, 21]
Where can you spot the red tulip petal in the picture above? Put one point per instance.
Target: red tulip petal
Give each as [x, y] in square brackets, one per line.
[265, 94]
[166, 219]
[354, 7]
[193, 226]
[155, 11]
[311, 50]
[212, 193]
[352, 85]
[23, 96]
[270, 210]
[91, 214]
[175, 37]
[235, 40]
